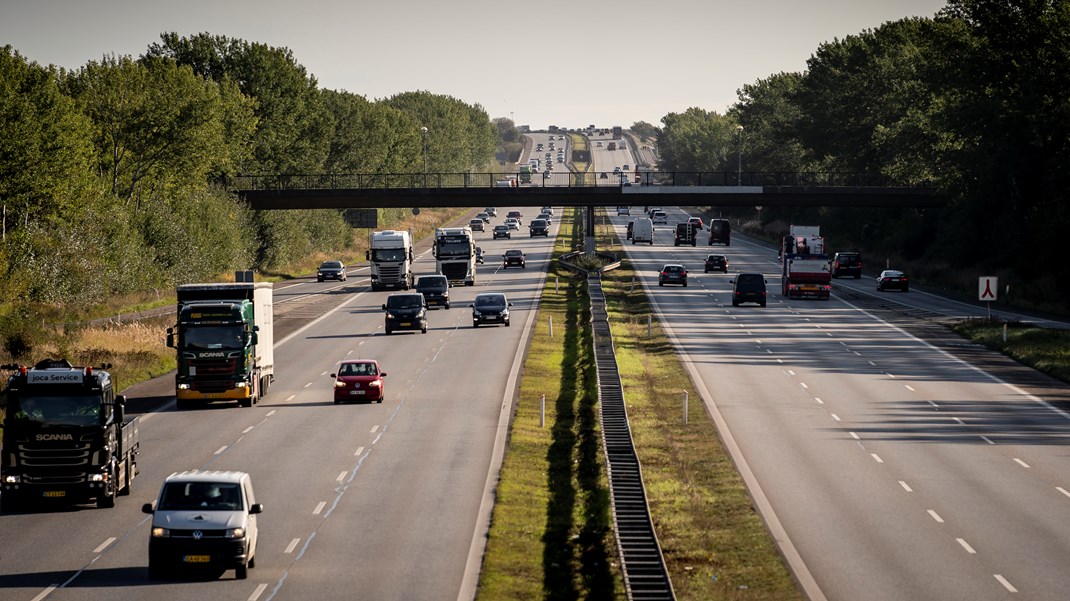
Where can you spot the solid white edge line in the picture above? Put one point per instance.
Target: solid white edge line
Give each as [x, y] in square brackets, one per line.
[45, 593]
[470, 581]
[794, 559]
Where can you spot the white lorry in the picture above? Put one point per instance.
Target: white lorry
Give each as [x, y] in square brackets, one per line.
[391, 260]
[455, 255]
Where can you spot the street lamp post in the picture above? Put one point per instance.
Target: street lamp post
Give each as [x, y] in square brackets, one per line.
[739, 157]
[423, 131]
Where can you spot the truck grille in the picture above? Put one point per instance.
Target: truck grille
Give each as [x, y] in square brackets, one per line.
[31, 455]
[212, 385]
[214, 367]
[455, 271]
[389, 274]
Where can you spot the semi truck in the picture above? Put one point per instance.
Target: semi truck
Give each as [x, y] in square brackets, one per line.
[224, 338]
[455, 255]
[526, 171]
[806, 276]
[803, 239]
[66, 437]
[391, 260]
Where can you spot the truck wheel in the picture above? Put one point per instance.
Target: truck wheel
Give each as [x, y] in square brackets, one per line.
[125, 490]
[107, 501]
[241, 572]
[10, 503]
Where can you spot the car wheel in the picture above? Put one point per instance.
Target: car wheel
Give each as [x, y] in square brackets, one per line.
[906, 289]
[389, 331]
[241, 572]
[319, 279]
[763, 303]
[337, 402]
[507, 323]
[475, 324]
[685, 284]
[661, 283]
[447, 306]
[735, 304]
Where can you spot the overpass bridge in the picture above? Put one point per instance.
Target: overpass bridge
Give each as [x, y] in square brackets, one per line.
[722, 189]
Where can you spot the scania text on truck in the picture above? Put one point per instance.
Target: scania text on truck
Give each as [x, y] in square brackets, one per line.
[66, 438]
[455, 255]
[391, 260]
[225, 343]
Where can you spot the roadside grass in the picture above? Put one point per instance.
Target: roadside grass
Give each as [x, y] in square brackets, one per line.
[1043, 349]
[715, 544]
[551, 532]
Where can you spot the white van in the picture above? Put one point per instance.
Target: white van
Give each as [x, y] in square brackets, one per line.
[643, 231]
[203, 519]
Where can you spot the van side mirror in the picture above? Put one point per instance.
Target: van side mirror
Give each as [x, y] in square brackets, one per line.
[367, 255]
[256, 508]
[382, 375]
[170, 338]
[147, 508]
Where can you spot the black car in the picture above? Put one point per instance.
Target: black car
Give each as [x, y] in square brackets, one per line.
[514, 257]
[847, 263]
[405, 311]
[672, 274]
[539, 227]
[628, 235]
[748, 288]
[436, 290]
[479, 255]
[490, 307]
[501, 231]
[891, 279]
[716, 263]
[331, 270]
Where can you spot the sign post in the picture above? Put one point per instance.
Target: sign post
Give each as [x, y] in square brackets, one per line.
[987, 287]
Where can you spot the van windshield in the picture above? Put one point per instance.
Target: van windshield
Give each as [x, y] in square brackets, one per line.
[409, 301]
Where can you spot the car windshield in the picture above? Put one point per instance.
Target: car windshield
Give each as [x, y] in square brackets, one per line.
[200, 496]
[58, 410]
[495, 300]
[513, 253]
[358, 369]
[331, 265]
[408, 301]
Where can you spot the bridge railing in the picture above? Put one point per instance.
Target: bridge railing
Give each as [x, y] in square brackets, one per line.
[562, 178]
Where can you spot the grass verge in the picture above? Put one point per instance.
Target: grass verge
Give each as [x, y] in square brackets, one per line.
[551, 533]
[1043, 349]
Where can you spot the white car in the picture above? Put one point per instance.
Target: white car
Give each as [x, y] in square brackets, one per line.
[513, 223]
[203, 519]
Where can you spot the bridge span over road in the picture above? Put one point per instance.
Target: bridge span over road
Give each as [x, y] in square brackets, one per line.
[724, 189]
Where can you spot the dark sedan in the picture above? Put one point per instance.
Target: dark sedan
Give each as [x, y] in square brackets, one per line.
[514, 258]
[716, 263]
[891, 279]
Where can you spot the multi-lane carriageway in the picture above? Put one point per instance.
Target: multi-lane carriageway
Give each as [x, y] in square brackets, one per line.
[886, 467]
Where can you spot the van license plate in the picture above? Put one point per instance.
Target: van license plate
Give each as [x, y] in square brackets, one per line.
[406, 324]
[54, 493]
[197, 558]
[356, 392]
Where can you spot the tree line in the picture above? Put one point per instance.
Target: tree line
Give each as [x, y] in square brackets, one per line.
[974, 101]
[110, 174]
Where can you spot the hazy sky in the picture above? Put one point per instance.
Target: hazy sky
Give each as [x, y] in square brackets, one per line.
[568, 63]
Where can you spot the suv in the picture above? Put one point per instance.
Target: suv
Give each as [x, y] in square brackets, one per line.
[514, 256]
[490, 307]
[539, 227]
[493, 212]
[659, 217]
[695, 221]
[477, 225]
[203, 519]
[748, 288]
[484, 216]
[847, 263]
[516, 215]
[405, 311]
[673, 274]
[436, 290]
[331, 270]
[502, 231]
[716, 263]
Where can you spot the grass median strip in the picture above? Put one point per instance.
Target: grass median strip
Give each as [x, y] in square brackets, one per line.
[550, 536]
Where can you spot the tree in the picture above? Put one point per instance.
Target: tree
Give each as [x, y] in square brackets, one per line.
[644, 130]
[697, 140]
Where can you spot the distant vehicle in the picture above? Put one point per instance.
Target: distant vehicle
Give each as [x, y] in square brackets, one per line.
[547, 217]
[624, 211]
[405, 311]
[643, 231]
[512, 223]
[547, 209]
[203, 520]
[502, 231]
[331, 270]
[477, 225]
[628, 230]
[391, 259]
[806, 276]
[454, 250]
[359, 380]
[672, 274]
[479, 255]
[625, 167]
[525, 171]
[490, 307]
[436, 290]
[684, 234]
[660, 217]
[893, 279]
[716, 263]
[493, 212]
[516, 215]
[847, 263]
[484, 217]
[599, 144]
[720, 232]
[695, 221]
[514, 257]
[505, 183]
[748, 288]
[610, 146]
[539, 227]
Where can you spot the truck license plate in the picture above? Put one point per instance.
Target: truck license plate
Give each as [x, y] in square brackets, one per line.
[197, 558]
[54, 493]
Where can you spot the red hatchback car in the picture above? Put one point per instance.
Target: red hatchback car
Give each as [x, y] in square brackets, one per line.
[359, 380]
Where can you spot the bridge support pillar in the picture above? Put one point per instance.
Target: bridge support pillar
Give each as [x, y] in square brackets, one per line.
[588, 228]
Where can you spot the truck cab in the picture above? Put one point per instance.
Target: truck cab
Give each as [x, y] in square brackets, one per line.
[66, 438]
[391, 260]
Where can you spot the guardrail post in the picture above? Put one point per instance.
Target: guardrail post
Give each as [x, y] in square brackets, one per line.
[555, 284]
[648, 320]
[542, 411]
[551, 327]
[685, 407]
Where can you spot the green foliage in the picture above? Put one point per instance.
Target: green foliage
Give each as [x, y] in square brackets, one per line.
[697, 140]
[644, 130]
[459, 136]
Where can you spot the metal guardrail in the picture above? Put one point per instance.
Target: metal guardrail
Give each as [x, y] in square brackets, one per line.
[642, 563]
[562, 178]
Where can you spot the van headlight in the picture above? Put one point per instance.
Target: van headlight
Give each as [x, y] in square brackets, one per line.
[158, 532]
[235, 533]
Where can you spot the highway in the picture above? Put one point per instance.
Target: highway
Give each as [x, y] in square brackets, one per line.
[886, 466]
[383, 501]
